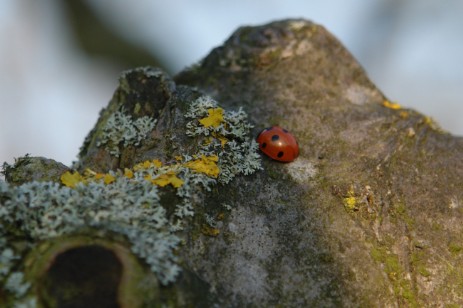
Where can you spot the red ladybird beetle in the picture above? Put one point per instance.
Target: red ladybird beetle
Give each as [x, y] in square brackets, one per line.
[278, 144]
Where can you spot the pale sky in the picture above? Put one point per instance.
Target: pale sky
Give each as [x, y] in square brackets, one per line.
[50, 94]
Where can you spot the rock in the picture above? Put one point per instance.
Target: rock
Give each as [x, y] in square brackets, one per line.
[370, 214]
[27, 168]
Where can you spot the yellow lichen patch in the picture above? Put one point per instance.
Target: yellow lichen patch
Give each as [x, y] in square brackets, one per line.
[157, 163]
[404, 114]
[89, 173]
[170, 177]
[428, 120]
[108, 178]
[128, 173]
[99, 176]
[432, 123]
[141, 166]
[72, 179]
[214, 119]
[391, 105]
[223, 140]
[147, 164]
[166, 179]
[208, 141]
[209, 231]
[205, 164]
[350, 201]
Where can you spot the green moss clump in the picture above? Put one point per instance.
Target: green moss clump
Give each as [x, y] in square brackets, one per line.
[455, 249]
[417, 260]
[401, 285]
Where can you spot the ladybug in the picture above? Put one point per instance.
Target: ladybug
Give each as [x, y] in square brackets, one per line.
[278, 144]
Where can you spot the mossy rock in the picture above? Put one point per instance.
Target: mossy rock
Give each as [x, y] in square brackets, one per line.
[370, 214]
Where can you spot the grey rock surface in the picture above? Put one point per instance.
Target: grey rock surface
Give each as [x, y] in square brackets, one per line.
[369, 214]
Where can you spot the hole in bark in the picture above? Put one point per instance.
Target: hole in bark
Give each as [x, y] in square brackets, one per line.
[86, 276]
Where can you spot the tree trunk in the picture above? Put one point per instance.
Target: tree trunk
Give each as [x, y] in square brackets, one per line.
[369, 214]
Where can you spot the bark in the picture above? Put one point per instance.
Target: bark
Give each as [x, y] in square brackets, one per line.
[370, 214]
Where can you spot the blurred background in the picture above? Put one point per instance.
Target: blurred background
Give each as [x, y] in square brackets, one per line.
[60, 60]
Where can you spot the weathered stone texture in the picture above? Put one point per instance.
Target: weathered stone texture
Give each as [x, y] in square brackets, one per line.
[371, 212]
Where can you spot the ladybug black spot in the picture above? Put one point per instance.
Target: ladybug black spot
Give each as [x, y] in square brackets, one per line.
[264, 145]
[275, 137]
[280, 154]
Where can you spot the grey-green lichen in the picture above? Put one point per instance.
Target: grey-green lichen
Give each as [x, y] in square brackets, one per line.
[43, 210]
[15, 284]
[236, 150]
[128, 202]
[122, 129]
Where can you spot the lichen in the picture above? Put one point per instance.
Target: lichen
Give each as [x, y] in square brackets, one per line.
[43, 210]
[121, 129]
[127, 202]
[16, 285]
[230, 140]
[301, 170]
[392, 105]
[350, 200]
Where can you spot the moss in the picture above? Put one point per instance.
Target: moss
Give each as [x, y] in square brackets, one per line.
[134, 280]
[453, 282]
[455, 249]
[378, 253]
[417, 261]
[28, 168]
[399, 211]
[209, 231]
[423, 271]
[435, 226]
[392, 266]
[408, 294]
[401, 285]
